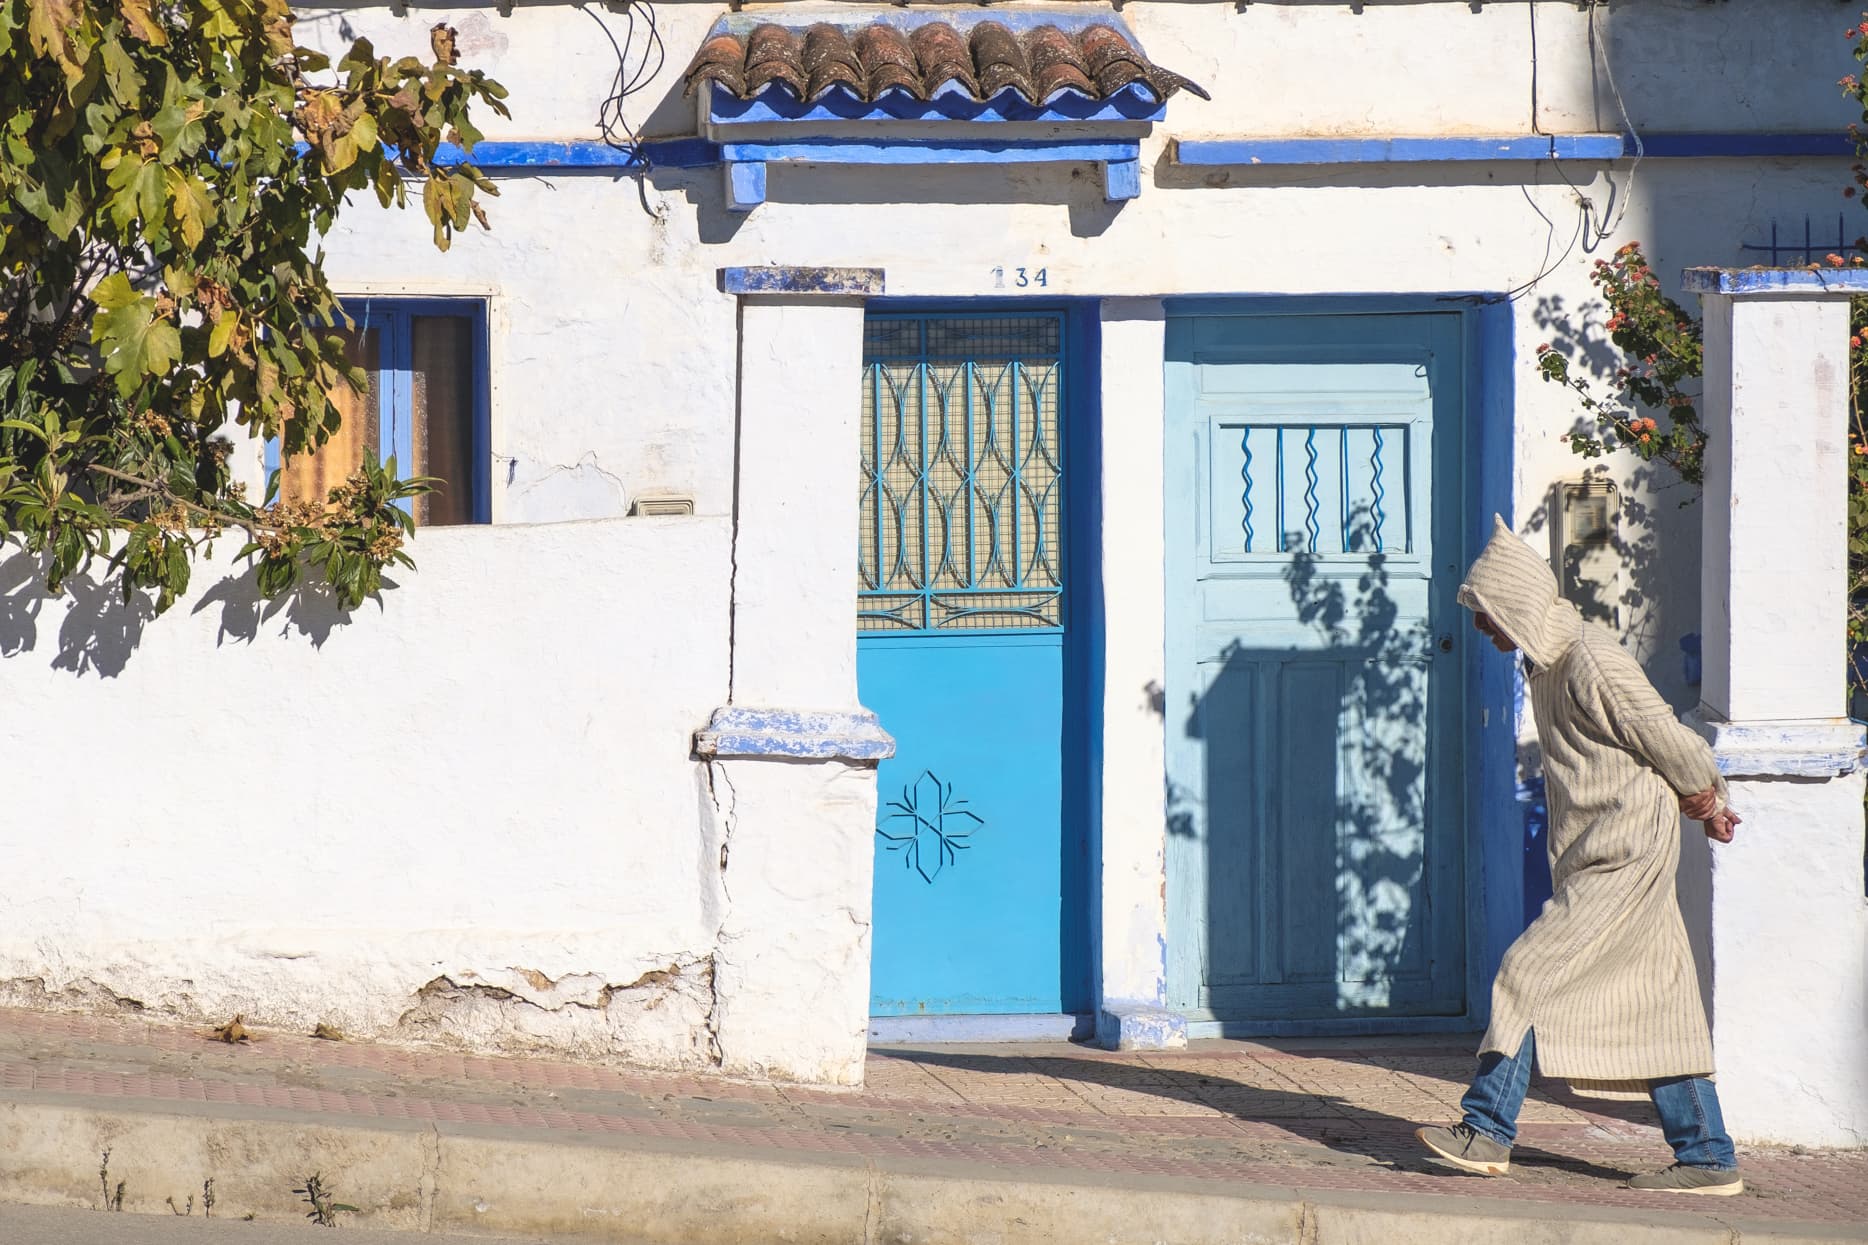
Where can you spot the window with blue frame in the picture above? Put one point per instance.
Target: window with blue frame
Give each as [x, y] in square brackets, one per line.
[424, 403]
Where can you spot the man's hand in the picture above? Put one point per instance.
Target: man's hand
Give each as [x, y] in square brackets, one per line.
[1702, 806]
[1719, 828]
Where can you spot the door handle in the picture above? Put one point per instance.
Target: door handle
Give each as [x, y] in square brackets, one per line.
[1446, 644]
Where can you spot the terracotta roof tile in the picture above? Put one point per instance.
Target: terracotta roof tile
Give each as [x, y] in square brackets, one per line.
[1097, 61]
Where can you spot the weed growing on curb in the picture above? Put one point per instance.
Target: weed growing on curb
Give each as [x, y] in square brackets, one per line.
[323, 1210]
[111, 1202]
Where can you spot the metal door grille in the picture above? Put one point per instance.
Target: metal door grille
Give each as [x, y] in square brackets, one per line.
[962, 509]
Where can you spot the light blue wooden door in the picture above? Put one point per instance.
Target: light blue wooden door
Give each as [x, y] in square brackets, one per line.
[962, 654]
[1314, 484]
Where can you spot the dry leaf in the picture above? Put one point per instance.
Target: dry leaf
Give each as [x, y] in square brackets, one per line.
[441, 39]
[233, 1031]
[330, 1033]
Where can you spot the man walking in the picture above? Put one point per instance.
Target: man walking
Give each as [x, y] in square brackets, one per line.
[1600, 990]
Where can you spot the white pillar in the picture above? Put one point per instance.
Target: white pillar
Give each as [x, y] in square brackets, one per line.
[1132, 975]
[793, 754]
[1789, 921]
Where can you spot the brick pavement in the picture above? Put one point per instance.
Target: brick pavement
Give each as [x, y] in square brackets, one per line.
[1303, 1115]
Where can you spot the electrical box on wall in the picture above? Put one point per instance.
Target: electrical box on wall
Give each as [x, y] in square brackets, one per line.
[1587, 540]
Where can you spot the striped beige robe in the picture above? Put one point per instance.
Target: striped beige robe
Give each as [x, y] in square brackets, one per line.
[1605, 975]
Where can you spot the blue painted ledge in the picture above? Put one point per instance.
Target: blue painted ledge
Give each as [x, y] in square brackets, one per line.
[1775, 281]
[1127, 1025]
[1821, 748]
[833, 282]
[795, 734]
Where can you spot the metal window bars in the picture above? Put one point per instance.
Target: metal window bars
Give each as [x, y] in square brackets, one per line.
[961, 508]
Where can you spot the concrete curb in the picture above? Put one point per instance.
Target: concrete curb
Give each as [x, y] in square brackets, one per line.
[423, 1178]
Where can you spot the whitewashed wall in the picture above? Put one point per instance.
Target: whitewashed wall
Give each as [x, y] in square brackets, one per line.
[615, 372]
[468, 815]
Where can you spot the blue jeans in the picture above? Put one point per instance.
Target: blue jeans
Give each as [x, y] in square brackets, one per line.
[1688, 1107]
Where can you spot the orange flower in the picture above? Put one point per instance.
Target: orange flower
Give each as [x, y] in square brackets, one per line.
[1855, 342]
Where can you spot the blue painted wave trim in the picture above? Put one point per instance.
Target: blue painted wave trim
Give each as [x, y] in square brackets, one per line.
[803, 734]
[982, 150]
[951, 103]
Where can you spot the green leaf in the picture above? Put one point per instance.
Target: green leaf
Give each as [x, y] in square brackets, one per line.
[136, 343]
[121, 73]
[139, 186]
[193, 205]
[222, 334]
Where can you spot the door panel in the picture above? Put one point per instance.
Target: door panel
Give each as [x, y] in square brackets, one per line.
[961, 653]
[1314, 471]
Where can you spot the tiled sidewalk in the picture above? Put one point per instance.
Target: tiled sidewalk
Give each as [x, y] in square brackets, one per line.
[1322, 1116]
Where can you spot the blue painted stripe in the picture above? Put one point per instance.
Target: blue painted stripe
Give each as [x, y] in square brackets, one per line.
[681, 153]
[574, 154]
[1775, 281]
[1743, 146]
[1393, 150]
[1389, 150]
[929, 151]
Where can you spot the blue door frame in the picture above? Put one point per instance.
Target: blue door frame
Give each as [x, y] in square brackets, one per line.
[1494, 819]
[1054, 980]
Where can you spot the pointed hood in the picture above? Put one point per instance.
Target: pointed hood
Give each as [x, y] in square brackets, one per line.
[1514, 586]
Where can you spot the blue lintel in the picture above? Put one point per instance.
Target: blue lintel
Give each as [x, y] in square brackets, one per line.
[829, 282]
[952, 103]
[793, 734]
[1806, 281]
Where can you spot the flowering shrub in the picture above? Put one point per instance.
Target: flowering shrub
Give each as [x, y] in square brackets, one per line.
[1660, 370]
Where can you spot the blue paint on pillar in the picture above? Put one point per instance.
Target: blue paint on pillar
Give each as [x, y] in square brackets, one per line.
[745, 185]
[1122, 179]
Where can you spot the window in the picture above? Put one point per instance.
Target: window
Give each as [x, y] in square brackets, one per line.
[424, 403]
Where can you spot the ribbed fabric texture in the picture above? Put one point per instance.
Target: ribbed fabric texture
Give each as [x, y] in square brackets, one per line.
[1605, 974]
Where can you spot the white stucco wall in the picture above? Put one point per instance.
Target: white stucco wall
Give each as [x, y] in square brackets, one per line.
[617, 370]
[468, 815]
[1789, 929]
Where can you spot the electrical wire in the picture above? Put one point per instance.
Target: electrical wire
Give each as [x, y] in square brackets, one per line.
[612, 123]
[1619, 199]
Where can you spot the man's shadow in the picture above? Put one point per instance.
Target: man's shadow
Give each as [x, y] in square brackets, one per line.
[1340, 1125]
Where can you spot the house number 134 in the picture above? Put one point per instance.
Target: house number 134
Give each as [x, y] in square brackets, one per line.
[1021, 278]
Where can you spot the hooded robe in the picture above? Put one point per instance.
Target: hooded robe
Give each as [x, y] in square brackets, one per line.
[1605, 974]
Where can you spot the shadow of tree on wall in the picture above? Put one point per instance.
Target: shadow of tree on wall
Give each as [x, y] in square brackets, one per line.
[1316, 810]
[1658, 527]
[99, 631]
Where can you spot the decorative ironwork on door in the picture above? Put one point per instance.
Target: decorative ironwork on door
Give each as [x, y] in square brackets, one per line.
[962, 484]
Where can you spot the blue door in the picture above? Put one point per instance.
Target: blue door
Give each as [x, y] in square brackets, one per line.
[1316, 847]
[963, 618]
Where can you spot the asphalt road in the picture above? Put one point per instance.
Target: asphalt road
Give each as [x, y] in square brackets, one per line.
[38, 1225]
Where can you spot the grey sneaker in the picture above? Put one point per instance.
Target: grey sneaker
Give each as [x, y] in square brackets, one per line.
[1680, 1178]
[1467, 1149]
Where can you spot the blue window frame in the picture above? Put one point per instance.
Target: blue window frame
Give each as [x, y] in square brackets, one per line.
[424, 404]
